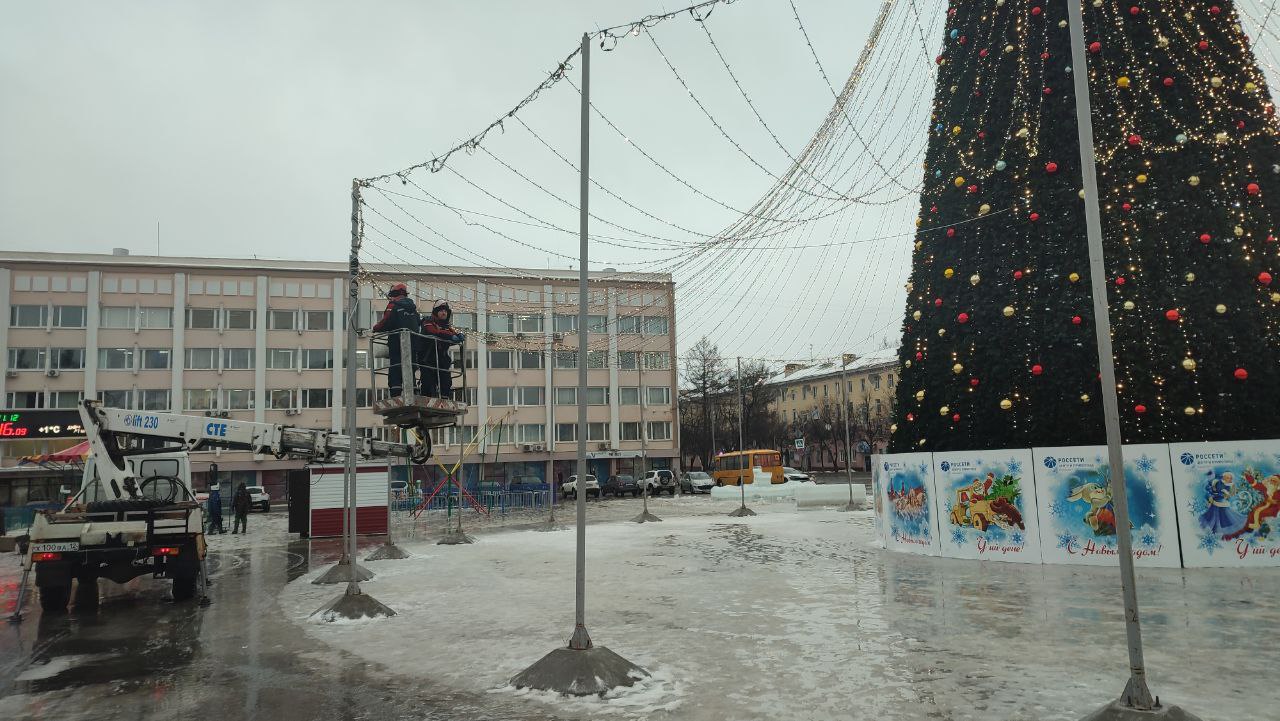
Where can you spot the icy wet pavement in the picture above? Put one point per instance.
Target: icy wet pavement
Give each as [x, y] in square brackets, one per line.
[796, 616]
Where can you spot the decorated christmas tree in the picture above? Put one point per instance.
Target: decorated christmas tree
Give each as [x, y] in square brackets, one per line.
[998, 343]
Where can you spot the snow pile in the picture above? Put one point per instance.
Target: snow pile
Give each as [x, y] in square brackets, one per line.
[762, 491]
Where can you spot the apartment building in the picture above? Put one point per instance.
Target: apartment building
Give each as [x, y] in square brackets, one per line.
[808, 404]
[263, 340]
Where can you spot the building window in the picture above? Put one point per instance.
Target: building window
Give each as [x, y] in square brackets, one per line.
[115, 359]
[629, 395]
[598, 396]
[317, 397]
[529, 323]
[314, 359]
[155, 317]
[154, 400]
[319, 319]
[471, 396]
[655, 325]
[501, 359]
[532, 433]
[280, 400]
[201, 318]
[658, 395]
[238, 359]
[464, 320]
[117, 317]
[630, 430]
[282, 320]
[471, 359]
[68, 316]
[597, 324]
[201, 359]
[65, 399]
[629, 325]
[863, 381]
[657, 360]
[659, 430]
[502, 396]
[890, 380]
[200, 399]
[533, 396]
[530, 360]
[501, 323]
[156, 358]
[24, 399]
[628, 360]
[566, 432]
[875, 382]
[597, 359]
[282, 359]
[116, 399]
[240, 400]
[29, 316]
[565, 323]
[566, 359]
[239, 319]
[566, 396]
[67, 359]
[597, 431]
[364, 397]
[879, 406]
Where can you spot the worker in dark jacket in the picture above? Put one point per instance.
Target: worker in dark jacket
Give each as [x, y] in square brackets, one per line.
[215, 509]
[437, 378]
[401, 314]
[240, 505]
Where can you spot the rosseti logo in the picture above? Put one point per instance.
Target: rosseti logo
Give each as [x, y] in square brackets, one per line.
[1050, 462]
[945, 466]
[1187, 459]
[886, 465]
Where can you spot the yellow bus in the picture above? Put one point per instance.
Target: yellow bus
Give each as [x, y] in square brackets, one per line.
[730, 469]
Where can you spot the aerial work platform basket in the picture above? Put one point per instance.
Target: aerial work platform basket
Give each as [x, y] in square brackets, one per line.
[424, 362]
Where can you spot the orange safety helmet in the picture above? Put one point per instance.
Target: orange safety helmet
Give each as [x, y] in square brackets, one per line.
[398, 289]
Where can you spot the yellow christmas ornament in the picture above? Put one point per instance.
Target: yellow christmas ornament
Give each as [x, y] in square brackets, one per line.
[1122, 82]
[1024, 132]
[955, 130]
[1215, 81]
[1142, 178]
[942, 332]
[915, 315]
[910, 286]
[1008, 48]
[959, 180]
[919, 244]
[1162, 41]
[948, 273]
[943, 411]
[1128, 305]
[1008, 311]
[919, 222]
[984, 209]
[893, 428]
[1250, 87]
[974, 279]
[1189, 364]
[1074, 277]
[1275, 297]
[957, 369]
[1238, 231]
[1221, 137]
[1220, 308]
[907, 363]
[1191, 277]
[1194, 180]
[1081, 194]
[919, 395]
[1006, 404]
[1189, 411]
[1084, 398]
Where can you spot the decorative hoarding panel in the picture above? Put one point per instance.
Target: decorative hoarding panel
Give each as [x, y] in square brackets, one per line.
[1228, 498]
[986, 505]
[1077, 513]
[877, 501]
[907, 480]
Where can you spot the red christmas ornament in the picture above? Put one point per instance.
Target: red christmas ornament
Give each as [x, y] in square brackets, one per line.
[1051, 167]
[1034, 217]
[962, 318]
[1037, 369]
[1139, 409]
[1271, 238]
[1120, 280]
[973, 382]
[982, 53]
[951, 232]
[1044, 56]
[1203, 45]
[1168, 82]
[1135, 139]
[1215, 10]
[1241, 374]
[1095, 47]
[955, 417]
[1076, 320]
[938, 60]
[1253, 188]
[1239, 125]
[933, 208]
[911, 416]
[1126, 207]
[937, 302]
[982, 134]
[1264, 278]
[1017, 275]
[1172, 314]
[964, 39]
[919, 355]
[1205, 238]
[973, 188]
[1134, 10]
[1047, 91]
[977, 93]
[1036, 10]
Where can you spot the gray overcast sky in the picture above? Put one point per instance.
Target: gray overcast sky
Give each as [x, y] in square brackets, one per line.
[238, 127]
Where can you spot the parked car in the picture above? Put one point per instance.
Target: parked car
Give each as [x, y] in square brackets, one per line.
[620, 485]
[792, 474]
[697, 482]
[259, 498]
[659, 482]
[570, 488]
[520, 484]
[400, 489]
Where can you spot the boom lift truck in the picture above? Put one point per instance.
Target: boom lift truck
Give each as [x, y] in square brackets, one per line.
[136, 511]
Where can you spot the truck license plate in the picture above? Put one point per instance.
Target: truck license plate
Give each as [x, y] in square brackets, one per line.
[62, 546]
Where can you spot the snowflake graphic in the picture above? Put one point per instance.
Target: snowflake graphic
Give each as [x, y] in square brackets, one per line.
[1015, 467]
[1149, 540]
[1145, 464]
[924, 468]
[1017, 539]
[1209, 542]
[1065, 539]
[947, 509]
[1197, 506]
[958, 537]
[1057, 508]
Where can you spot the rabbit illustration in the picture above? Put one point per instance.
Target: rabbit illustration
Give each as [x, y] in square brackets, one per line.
[1101, 515]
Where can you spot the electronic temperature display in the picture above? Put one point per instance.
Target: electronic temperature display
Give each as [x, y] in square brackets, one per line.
[40, 423]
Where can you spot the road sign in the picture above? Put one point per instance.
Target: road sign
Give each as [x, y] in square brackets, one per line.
[799, 444]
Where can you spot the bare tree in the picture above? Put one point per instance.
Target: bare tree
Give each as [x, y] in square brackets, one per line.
[706, 378]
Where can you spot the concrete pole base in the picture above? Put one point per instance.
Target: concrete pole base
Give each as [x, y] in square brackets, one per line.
[646, 517]
[387, 552]
[352, 605]
[741, 512]
[1117, 711]
[341, 573]
[572, 672]
[455, 538]
[851, 506]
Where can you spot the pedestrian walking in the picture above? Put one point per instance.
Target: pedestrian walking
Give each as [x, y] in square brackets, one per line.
[240, 505]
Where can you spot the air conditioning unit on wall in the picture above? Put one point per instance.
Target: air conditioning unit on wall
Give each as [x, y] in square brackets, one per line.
[603, 446]
[538, 447]
[52, 372]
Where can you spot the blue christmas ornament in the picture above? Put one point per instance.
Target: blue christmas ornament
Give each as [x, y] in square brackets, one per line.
[937, 173]
[955, 34]
[1000, 165]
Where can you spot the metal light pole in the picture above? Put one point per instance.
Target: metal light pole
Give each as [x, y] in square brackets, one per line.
[645, 516]
[844, 415]
[581, 669]
[1136, 698]
[742, 510]
[353, 603]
